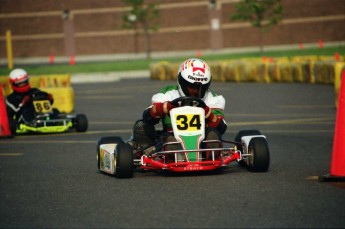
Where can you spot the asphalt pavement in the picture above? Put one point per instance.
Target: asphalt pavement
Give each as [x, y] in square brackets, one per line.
[52, 181]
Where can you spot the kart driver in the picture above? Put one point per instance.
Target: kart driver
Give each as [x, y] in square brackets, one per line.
[194, 80]
[19, 104]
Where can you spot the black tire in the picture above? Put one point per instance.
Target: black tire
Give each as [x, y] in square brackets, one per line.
[81, 124]
[124, 161]
[106, 140]
[259, 161]
[238, 137]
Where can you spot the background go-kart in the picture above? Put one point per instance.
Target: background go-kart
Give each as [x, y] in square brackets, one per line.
[52, 180]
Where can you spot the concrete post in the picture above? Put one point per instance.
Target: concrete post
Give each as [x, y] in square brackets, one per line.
[216, 36]
[68, 25]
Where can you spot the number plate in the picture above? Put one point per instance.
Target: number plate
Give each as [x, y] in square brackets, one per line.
[42, 106]
[189, 127]
[188, 122]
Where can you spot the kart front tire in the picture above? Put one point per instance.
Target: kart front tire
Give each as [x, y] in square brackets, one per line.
[259, 159]
[124, 161]
[81, 123]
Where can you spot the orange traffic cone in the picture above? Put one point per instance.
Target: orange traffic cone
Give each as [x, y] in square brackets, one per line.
[337, 172]
[198, 53]
[5, 130]
[72, 60]
[51, 59]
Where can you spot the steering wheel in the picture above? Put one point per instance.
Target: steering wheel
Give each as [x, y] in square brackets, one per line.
[188, 101]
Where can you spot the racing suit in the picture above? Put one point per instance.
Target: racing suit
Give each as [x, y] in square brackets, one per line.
[215, 126]
[215, 102]
[20, 107]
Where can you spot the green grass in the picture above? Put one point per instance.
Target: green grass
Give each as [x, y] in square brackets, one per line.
[144, 64]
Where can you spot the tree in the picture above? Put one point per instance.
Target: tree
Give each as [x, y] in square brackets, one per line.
[141, 16]
[262, 14]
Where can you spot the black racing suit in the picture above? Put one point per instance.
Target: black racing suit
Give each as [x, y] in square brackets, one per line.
[24, 113]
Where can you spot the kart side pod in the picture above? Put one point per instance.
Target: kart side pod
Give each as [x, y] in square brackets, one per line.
[106, 158]
[246, 140]
[115, 157]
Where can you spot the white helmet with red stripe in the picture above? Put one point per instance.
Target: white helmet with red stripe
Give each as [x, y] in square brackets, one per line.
[194, 72]
[19, 80]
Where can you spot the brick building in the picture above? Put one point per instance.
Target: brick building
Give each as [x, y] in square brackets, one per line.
[87, 27]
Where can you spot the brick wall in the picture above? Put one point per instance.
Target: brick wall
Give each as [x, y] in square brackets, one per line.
[38, 28]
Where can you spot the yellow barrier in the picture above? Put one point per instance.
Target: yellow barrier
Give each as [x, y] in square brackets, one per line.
[310, 69]
[55, 80]
[162, 71]
[304, 58]
[63, 98]
[323, 72]
[230, 71]
[298, 73]
[5, 86]
[171, 71]
[302, 69]
[154, 71]
[284, 71]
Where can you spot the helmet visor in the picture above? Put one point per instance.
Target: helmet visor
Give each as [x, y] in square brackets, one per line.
[21, 83]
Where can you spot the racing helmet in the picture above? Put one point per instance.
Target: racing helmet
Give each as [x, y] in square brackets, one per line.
[191, 73]
[19, 80]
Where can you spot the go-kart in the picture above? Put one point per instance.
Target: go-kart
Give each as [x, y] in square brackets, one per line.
[121, 158]
[49, 120]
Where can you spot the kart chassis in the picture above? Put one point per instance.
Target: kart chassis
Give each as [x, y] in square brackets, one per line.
[250, 148]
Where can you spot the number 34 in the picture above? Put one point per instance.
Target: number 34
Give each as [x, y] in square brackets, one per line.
[188, 122]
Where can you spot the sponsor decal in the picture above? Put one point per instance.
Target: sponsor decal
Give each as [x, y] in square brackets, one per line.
[202, 69]
[107, 158]
[193, 168]
[197, 79]
[107, 162]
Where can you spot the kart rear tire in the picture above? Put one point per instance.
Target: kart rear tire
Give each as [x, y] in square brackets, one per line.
[259, 160]
[238, 137]
[81, 123]
[106, 140]
[124, 161]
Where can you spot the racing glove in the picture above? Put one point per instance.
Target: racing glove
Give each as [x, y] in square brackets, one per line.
[160, 109]
[212, 120]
